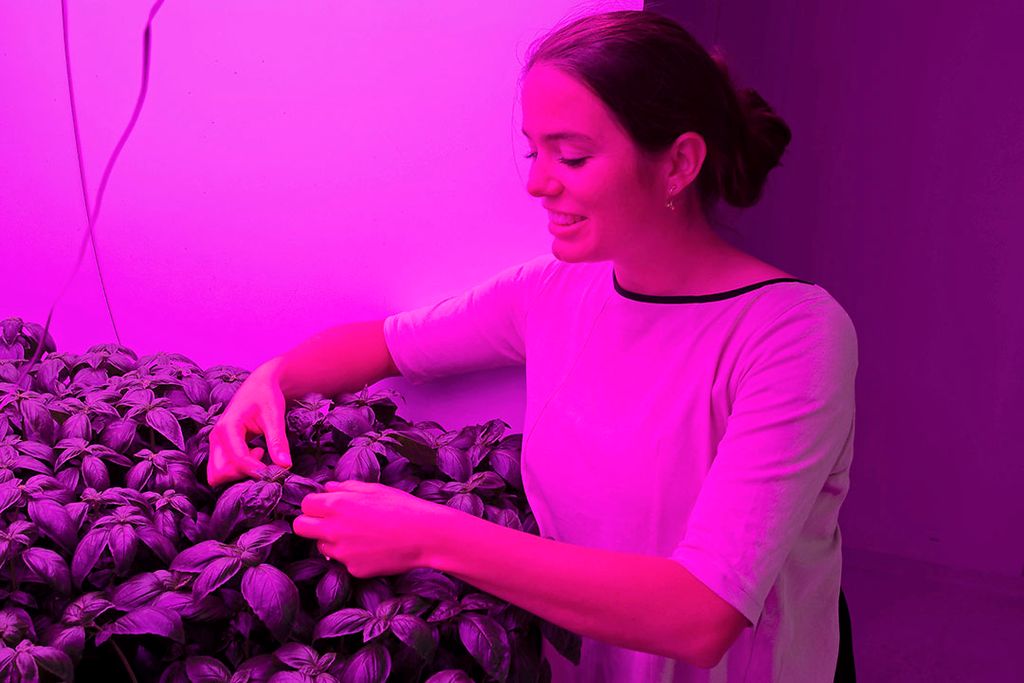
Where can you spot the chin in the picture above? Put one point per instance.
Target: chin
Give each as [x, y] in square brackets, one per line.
[571, 253]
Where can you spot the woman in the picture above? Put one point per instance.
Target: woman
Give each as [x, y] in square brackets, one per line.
[690, 409]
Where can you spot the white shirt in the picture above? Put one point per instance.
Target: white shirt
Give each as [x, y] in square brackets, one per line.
[716, 431]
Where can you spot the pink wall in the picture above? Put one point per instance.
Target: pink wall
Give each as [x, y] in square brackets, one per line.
[294, 166]
[902, 194]
[304, 164]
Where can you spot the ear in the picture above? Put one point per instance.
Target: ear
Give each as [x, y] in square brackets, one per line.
[686, 159]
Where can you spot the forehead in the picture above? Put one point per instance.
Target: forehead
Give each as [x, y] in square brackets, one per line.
[556, 106]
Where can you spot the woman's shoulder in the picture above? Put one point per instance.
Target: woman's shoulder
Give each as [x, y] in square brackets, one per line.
[750, 270]
[800, 298]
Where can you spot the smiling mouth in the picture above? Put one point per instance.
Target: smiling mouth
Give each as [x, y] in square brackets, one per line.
[561, 230]
[564, 218]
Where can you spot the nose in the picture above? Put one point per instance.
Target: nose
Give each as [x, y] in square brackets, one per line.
[539, 183]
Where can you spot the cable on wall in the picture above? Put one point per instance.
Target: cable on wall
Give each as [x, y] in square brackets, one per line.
[92, 212]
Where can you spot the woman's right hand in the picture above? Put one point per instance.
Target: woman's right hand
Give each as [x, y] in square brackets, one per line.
[256, 408]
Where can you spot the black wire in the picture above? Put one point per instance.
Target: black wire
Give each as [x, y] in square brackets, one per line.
[93, 212]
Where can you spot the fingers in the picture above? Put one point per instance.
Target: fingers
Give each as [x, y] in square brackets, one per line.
[319, 504]
[223, 464]
[251, 465]
[277, 441]
[258, 407]
[238, 456]
[218, 470]
[311, 527]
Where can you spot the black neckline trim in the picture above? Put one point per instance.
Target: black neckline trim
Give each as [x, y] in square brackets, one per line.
[699, 298]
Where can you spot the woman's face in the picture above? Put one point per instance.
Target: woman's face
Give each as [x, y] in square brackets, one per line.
[595, 171]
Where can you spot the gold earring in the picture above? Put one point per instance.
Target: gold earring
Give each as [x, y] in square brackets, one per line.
[671, 201]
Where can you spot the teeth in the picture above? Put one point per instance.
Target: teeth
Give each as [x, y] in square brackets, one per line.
[565, 219]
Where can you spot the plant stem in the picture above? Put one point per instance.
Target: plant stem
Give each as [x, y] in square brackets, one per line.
[124, 660]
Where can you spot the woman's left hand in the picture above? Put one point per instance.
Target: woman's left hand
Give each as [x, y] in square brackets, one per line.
[372, 529]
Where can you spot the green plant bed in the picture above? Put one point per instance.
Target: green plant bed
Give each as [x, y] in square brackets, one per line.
[102, 491]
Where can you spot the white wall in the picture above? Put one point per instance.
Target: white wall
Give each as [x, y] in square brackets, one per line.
[295, 166]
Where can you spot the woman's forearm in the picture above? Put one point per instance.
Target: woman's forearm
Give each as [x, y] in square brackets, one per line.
[649, 604]
[344, 358]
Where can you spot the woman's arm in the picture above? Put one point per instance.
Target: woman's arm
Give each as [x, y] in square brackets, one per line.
[344, 358]
[649, 604]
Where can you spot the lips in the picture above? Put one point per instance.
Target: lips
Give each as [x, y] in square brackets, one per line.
[565, 230]
[559, 218]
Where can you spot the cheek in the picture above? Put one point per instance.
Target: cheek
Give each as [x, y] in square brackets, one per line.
[601, 191]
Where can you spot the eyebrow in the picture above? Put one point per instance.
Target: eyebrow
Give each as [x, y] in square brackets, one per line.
[564, 135]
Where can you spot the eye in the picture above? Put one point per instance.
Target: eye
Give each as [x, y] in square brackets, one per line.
[572, 163]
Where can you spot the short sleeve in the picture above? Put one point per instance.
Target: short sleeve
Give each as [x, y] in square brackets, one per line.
[792, 417]
[482, 328]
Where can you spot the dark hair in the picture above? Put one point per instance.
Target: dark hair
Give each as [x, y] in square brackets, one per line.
[660, 83]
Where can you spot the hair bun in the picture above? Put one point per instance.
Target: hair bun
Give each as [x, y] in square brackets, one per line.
[766, 140]
[762, 137]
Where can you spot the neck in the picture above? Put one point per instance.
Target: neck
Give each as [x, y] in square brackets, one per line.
[679, 256]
